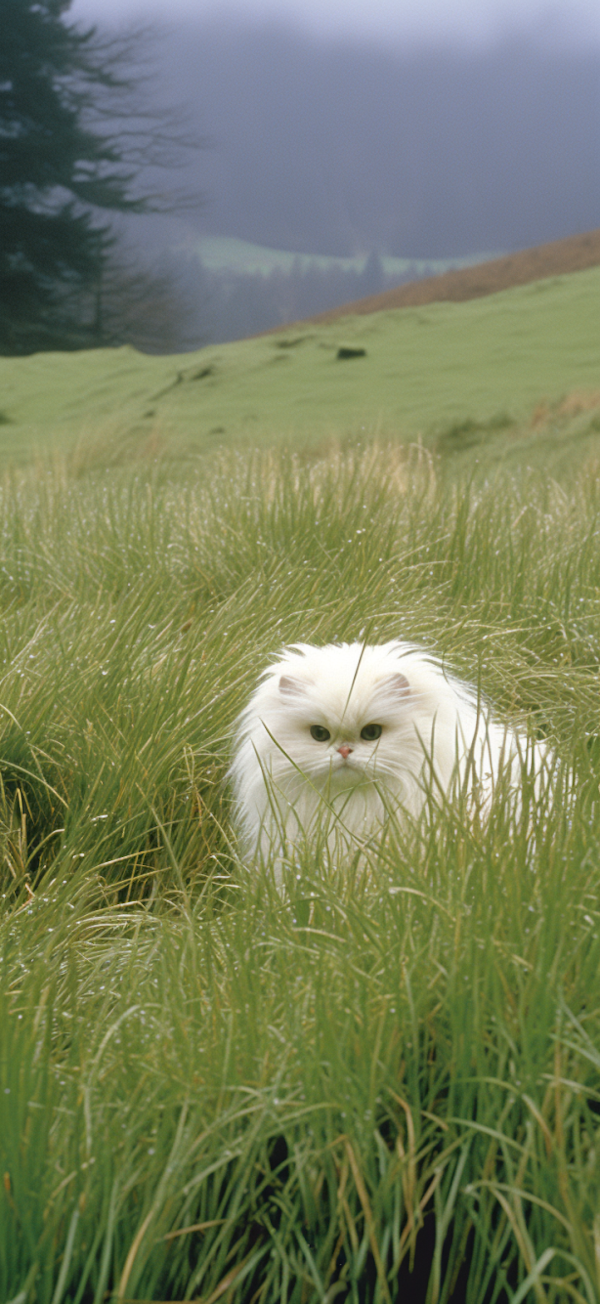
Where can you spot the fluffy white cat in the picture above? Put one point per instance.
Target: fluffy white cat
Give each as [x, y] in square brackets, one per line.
[338, 739]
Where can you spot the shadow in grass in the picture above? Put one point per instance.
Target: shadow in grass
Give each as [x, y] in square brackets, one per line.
[469, 433]
[413, 1280]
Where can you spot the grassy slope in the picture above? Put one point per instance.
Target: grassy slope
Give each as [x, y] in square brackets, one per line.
[386, 1087]
[425, 369]
[209, 1092]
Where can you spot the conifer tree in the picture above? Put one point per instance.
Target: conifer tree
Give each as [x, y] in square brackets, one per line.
[65, 161]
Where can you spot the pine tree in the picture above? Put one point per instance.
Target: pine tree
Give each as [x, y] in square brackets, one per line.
[63, 163]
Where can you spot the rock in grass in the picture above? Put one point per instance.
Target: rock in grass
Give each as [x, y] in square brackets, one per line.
[347, 351]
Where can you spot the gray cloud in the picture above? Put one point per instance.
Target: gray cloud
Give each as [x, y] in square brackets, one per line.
[434, 22]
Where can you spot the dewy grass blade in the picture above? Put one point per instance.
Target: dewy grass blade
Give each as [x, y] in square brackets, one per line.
[58, 1295]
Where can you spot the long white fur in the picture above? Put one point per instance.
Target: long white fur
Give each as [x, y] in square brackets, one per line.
[436, 736]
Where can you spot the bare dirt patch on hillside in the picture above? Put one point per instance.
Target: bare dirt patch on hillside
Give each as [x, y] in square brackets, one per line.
[574, 254]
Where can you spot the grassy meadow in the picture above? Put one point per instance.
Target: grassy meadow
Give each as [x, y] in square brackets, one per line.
[386, 1085]
[424, 373]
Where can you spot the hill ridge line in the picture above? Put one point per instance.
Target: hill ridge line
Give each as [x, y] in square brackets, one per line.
[575, 253]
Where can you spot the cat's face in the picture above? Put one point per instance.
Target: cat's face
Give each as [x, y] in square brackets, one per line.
[337, 718]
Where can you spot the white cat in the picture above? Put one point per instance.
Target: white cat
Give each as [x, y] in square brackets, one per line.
[340, 738]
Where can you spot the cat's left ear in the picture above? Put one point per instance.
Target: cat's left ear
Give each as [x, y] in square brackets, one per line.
[291, 687]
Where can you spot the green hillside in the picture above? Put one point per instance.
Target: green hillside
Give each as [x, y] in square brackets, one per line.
[381, 1083]
[469, 369]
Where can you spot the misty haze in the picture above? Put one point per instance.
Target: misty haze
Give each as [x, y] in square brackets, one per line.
[317, 146]
[337, 149]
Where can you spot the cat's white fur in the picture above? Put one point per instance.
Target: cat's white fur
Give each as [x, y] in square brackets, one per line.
[436, 737]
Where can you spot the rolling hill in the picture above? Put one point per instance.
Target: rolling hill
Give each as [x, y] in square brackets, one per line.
[453, 374]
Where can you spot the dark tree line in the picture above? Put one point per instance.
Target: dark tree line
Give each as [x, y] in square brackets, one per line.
[75, 138]
[233, 305]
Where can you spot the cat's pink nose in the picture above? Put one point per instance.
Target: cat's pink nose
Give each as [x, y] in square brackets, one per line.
[345, 750]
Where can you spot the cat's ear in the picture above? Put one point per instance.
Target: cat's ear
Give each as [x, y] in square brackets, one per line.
[291, 687]
[398, 685]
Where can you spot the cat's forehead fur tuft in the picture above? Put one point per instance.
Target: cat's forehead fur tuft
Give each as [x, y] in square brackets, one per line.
[343, 683]
[351, 662]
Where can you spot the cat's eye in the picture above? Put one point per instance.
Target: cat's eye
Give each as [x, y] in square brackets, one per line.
[371, 732]
[319, 733]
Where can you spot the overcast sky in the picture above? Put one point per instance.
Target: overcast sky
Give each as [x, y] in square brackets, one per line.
[433, 21]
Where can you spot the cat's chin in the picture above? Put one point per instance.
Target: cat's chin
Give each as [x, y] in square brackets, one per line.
[345, 778]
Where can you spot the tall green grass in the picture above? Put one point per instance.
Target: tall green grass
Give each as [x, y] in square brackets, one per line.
[383, 1086]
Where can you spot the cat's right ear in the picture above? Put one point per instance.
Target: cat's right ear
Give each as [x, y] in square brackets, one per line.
[291, 687]
[398, 684]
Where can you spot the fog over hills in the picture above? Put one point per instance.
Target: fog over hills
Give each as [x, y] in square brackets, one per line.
[325, 146]
[331, 146]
